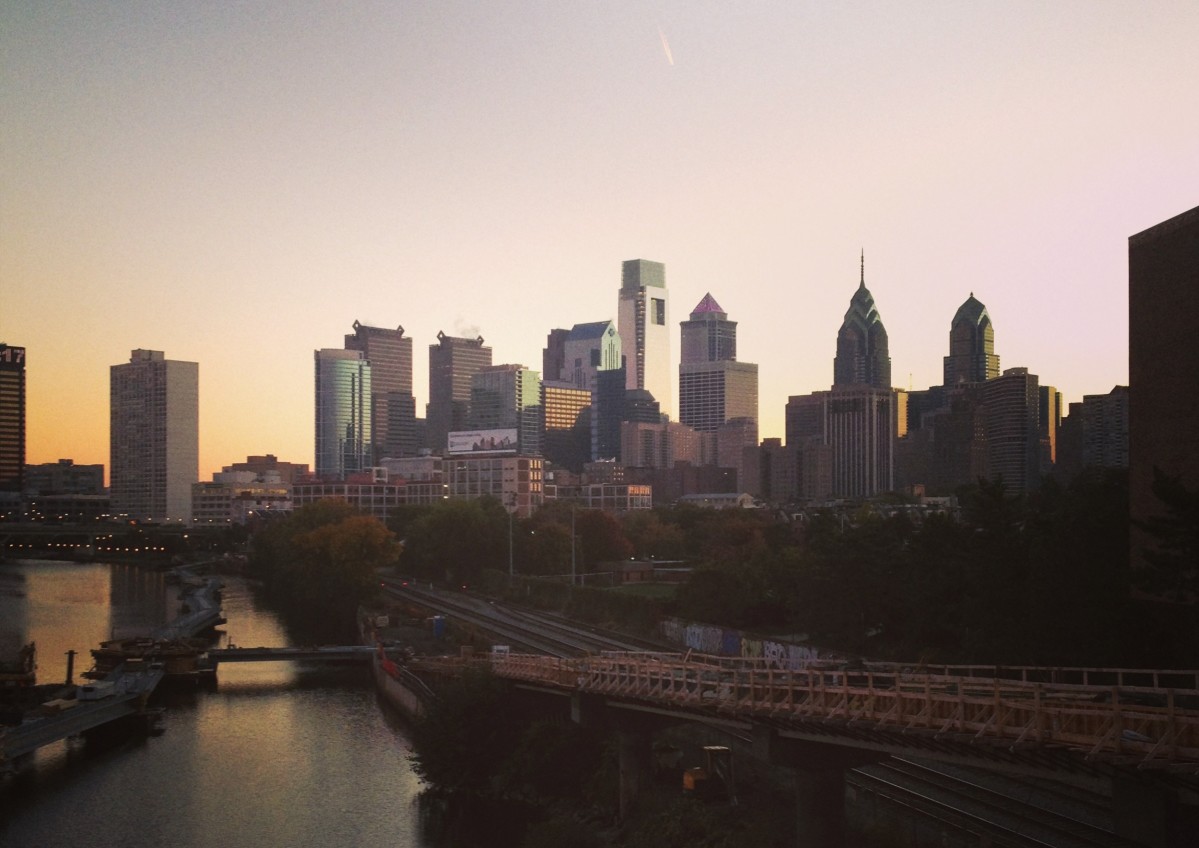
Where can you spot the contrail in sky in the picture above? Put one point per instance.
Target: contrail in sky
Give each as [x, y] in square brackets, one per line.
[665, 46]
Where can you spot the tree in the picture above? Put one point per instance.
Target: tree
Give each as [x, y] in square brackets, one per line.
[1173, 570]
[467, 735]
[457, 540]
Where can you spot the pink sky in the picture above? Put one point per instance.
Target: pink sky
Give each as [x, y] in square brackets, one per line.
[237, 184]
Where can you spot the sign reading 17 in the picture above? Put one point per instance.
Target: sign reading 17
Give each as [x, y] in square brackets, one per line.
[12, 355]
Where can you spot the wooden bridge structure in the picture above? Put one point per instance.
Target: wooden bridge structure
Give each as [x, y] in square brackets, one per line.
[1144, 719]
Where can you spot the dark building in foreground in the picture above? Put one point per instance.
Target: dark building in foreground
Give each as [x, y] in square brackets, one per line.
[1163, 360]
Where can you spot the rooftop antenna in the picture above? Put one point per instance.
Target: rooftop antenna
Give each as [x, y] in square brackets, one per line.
[863, 278]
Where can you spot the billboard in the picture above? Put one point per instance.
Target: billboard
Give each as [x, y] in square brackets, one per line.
[482, 441]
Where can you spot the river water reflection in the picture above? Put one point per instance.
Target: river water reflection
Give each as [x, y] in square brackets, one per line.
[276, 755]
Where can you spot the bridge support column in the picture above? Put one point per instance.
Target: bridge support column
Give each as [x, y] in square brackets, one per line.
[819, 774]
[820, 807]
[634, 760]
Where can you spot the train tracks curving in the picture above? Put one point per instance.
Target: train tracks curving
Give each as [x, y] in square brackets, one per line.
[522, 629]
[964, 802]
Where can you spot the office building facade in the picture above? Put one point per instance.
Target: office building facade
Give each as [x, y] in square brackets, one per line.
[589, 349]
[508, 397]
[453, 362]
[643, 323]
[12, 419]
[566, 425]
[343, 413]
[154, 421]
[1163, 359]
[1012, 404]
[393, 408]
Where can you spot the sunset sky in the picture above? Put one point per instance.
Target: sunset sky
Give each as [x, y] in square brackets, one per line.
[235, 183]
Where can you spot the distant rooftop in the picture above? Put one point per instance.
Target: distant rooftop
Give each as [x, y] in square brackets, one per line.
[708, 305]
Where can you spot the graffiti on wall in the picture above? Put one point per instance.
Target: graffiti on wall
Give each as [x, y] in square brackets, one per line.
[721, 641]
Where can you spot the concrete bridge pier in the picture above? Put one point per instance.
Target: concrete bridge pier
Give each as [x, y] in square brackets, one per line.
[634, 743]
[819, 806]
[819, 775]
[635, 757]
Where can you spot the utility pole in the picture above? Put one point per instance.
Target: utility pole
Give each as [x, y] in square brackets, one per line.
[512, 509]
[572, 544]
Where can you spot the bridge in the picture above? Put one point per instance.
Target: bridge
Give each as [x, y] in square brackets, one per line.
[1134, 732]
[202, 610]
[125, 694]
[328, 653]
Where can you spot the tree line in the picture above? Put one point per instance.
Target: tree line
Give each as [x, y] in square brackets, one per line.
[1043, 578]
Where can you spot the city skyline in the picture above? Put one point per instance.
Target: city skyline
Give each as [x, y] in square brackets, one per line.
[238, 189]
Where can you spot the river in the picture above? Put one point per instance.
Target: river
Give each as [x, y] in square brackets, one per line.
[275, 754]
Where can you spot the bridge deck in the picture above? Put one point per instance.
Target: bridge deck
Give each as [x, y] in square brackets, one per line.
[340, 653]
[1139, 725]
[129, 697]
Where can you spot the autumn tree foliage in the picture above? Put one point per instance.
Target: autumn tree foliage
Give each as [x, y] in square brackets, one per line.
[324, 557]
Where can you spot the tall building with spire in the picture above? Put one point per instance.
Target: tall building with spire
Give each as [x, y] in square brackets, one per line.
[972, 357]
[642, 317]
[862, 355]
[393, 409]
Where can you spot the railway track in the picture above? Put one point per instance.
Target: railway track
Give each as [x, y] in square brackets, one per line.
[522, 629]
[963, 803]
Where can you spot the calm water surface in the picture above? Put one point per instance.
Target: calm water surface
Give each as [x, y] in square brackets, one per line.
[276, 755]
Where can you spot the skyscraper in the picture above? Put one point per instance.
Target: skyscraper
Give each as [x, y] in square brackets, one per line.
[1163, 359]
[862, 355]
[713, 386]
[709, 335]
[452, 363]
[508, 397]
[1012, 406]
[715, 389]
[154, 442]
[393, 409]
[12, 418]
[566, 428]
[343, 413]
[972, 357]
[589, 349]
[553, 355]
[644, 310]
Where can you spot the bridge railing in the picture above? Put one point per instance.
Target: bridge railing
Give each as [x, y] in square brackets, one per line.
[1151, 726]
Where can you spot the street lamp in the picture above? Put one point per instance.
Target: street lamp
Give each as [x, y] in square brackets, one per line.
[512, 504]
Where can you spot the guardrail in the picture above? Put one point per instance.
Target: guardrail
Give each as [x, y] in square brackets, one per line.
[1135, 724]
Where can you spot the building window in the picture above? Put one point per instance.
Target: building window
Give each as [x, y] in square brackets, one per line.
[658, 310]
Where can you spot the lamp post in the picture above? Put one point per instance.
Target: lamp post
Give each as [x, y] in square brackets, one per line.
[512, 504]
